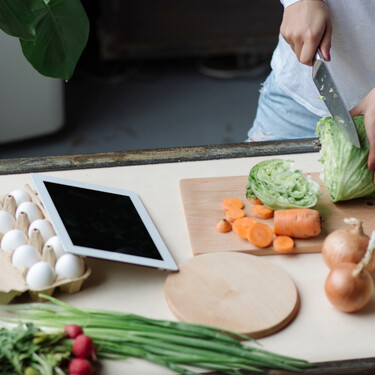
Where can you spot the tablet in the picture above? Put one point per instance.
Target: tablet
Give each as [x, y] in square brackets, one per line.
[102, 222]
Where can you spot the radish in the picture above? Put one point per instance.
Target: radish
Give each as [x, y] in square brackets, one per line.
[80, 366]
[73, 330]
[83, 347]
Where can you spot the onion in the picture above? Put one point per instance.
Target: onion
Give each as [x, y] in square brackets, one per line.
[346, 245]
[350, 287]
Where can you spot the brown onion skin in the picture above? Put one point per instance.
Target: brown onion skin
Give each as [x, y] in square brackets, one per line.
[346, 292]
[343, 245]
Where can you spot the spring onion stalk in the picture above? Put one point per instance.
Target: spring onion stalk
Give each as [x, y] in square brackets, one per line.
[279, 186]
[178, 346]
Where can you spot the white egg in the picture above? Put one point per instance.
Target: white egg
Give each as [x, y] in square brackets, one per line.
[31, 209]
[7, 221]
[69, 266]
[44, 227]
[55, 243]
[13, 239]
[40, 275]
[20, 196]
[25, 256]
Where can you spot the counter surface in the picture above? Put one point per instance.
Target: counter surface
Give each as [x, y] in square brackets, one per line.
[319, 333]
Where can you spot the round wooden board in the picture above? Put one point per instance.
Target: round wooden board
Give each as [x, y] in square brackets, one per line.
[234, 291]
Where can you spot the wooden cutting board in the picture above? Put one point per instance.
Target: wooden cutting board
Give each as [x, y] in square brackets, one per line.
[202, 199]
[233, 291]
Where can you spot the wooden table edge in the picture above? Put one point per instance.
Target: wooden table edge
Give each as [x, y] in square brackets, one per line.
[156, 156]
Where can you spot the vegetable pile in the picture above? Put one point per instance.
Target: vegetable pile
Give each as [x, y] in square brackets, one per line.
[344, 167]
[178, 346]
[279, 186]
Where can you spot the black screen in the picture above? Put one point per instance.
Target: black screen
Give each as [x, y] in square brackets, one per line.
[102, 220]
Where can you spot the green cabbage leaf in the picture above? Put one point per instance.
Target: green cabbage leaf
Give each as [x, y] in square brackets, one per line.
[279, 186]
[344, 167]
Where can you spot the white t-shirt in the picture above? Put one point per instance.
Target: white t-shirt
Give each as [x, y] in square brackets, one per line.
[352, 57]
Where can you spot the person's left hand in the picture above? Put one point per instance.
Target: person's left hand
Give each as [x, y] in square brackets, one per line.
[367, 108]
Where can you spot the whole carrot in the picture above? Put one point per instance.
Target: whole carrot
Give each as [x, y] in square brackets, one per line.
[297, 222]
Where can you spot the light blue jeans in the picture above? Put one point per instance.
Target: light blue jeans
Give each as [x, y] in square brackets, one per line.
[279, 116]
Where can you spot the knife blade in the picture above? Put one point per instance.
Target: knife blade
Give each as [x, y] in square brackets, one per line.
[333, 100]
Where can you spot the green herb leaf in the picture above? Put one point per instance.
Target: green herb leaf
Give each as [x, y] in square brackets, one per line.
[22, 353]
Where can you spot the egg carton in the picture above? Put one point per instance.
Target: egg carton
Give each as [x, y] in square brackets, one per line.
[13, 279]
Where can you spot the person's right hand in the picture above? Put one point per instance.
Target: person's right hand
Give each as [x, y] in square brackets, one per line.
[307, 26]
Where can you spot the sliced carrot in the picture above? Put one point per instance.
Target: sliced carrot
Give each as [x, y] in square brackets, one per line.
[234, 214]
[297, 222]
[254, 200]
[260, 235]
[262, 212]
[231, 203]
[241, 226]
[223, 226]
[283, 244]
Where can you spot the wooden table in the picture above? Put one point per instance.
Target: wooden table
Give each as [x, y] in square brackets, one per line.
[339, 343]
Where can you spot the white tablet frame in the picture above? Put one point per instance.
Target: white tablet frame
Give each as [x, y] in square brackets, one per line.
[167, 262]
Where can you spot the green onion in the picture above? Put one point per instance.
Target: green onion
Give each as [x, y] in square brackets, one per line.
[179, 346]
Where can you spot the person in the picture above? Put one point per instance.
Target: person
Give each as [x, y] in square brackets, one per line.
[289, 105]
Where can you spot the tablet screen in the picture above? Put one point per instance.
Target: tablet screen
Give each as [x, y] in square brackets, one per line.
[102, 222]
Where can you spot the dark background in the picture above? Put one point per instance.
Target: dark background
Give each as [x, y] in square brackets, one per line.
[163, 73]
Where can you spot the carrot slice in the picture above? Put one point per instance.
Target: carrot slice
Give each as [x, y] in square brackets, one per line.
[223, 226]
[260, 235]
[262, 212]
[242, 225]
[297, 222]
[254, 200]
[231, 203]
[283, 244]
[234, 214]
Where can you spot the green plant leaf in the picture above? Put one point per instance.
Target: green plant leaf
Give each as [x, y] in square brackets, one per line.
[61, 35]
[17, 18]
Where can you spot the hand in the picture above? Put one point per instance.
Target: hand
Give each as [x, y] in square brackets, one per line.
[307, 26]
[366, 107]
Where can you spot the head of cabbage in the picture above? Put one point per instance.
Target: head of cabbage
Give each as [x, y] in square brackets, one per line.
[344, 167]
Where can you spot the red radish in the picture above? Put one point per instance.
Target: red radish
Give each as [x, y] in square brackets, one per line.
[83, 347]
[80, 366]
[72, 330]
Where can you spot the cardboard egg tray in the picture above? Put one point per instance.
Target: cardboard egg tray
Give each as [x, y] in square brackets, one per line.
[13, 280]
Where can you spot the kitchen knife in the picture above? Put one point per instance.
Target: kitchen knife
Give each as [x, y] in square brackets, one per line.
[330, 94]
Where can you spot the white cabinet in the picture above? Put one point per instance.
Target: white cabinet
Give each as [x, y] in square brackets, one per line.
[31, 105]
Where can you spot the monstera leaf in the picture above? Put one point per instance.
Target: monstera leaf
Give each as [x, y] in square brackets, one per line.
[17, 19]
[53, 33]
[61, 35]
